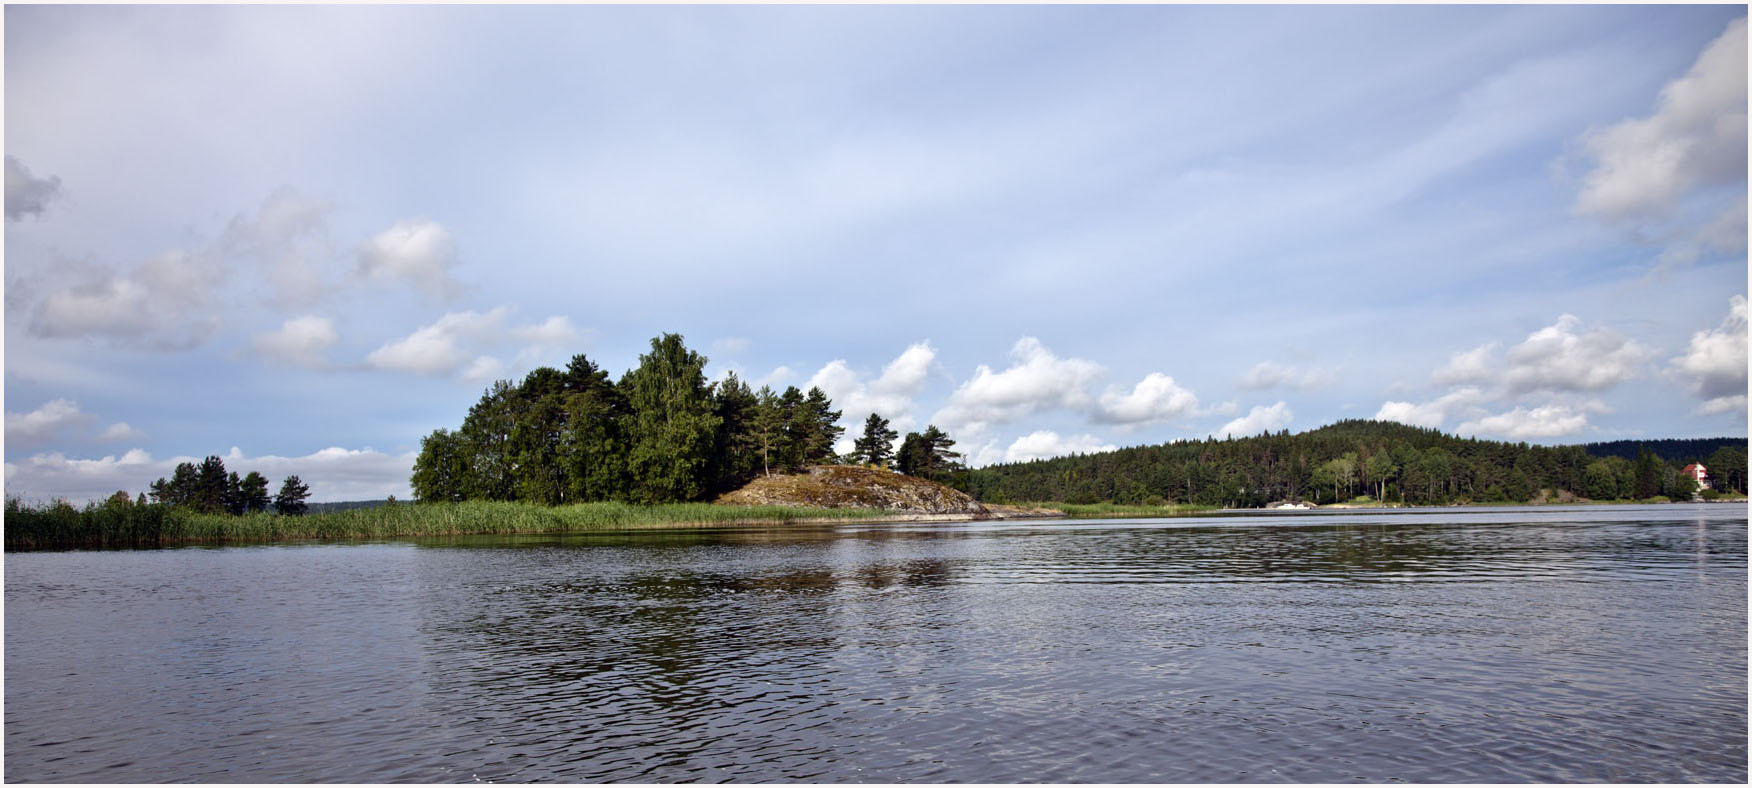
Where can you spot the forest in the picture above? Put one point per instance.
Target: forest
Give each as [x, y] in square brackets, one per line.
[661, 434]
[1382, 461]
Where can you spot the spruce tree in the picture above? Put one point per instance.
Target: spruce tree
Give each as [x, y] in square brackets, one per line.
[673, 423]
[593, 448]
[290, 501]
[876, 447]
[736, 457]
[253, 491]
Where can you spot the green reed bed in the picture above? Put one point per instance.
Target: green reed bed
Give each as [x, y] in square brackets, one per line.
[60, 526]
[1097, 510]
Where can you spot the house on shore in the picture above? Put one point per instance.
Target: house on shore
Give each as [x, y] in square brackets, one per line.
[1700, 474]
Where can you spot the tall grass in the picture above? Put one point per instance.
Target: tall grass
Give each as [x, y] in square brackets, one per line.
[1097, 510]
[60, 526]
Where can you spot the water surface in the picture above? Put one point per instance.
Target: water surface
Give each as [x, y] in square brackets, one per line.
[1586, 644]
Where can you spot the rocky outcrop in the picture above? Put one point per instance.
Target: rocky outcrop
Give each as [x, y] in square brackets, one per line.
[853, 487]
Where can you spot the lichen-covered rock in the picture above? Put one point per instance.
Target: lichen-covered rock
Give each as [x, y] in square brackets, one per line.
[853, 487]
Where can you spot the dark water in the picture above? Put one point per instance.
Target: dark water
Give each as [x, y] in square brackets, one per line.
[1479, 646]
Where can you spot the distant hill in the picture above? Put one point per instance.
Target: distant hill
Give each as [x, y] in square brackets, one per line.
[1674, 450]
[1385, 461]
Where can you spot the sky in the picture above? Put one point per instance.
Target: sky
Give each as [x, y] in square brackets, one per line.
[303, 238]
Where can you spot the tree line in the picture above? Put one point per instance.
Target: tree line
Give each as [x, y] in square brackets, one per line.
[209, 489]
[660, 434]
[1384, 461]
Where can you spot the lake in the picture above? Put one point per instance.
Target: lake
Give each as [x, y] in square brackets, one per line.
[1478, 645]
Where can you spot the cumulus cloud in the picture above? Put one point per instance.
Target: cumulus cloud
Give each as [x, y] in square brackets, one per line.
[419, 252]
[54, 416]
[440, 348]
[889, 395]
[26, 194]
[334, 474]
[288, 239]
[1432, 413]
[1644, 168]
[457, 343]
[300, 340]
[1478, 365]
[120, 431]
[163, 304]
[1560, 357]
[1272, 375]
[1262, 418]
[1696, 136]
[1041, 444]
[1036, 380]
[730, 346]
[556, 331]
[1155, 398]
[1715, 362]
[1546, 421]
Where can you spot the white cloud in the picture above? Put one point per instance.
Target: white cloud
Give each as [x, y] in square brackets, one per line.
[27, 194]
[556, 331]
[484, 368]
[163, 304]
[1715, 362]
[1042, 444]
[439, 349]
[1478, 365]
[1261, 418]
[288, 238]
[890, 395]
[54, 416]
[730, 346]
[776, 379]
[1547, 421]
[1036, 380]
[1433, 413]
[415, 251]
[1696, 137]
[1155, 398]
[300, 340]
[120, 431]
[1560, 358]
[334, 474]
[1270, 375]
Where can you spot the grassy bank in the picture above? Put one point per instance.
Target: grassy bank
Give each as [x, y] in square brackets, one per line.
[61, 526]
[1097, 510]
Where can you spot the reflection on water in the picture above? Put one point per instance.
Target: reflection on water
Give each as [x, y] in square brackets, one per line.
[1514, 645]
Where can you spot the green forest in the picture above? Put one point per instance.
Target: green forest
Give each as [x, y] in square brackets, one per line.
[1352, 459]
[661, 434]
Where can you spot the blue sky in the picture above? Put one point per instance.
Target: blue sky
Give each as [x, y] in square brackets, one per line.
[302, 238]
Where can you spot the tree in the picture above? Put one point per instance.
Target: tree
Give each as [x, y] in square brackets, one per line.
[673, 423]
[290, 501]
[1599, 482]
[769, 428]
[440, 469]
[1727, 469]
[736, 452]
[234, 494]
[253, 490]
[211, 484]
[1648, 474]
[876, 447]
[593, 447]
[817, 428]
[927, 455]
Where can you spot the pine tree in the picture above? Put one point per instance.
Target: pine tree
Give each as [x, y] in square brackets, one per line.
[673, 423]
[253, 490]
[234, 494]
[593, 448]
[769, 429]
[210, 486]
[876, 447]
[817, 429]
[290, 501]
[736, 456]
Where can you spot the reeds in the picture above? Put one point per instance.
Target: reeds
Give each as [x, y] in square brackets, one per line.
[60, 526]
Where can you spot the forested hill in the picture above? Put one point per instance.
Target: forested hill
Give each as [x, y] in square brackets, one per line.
[1340, 462]
[1674, 450]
